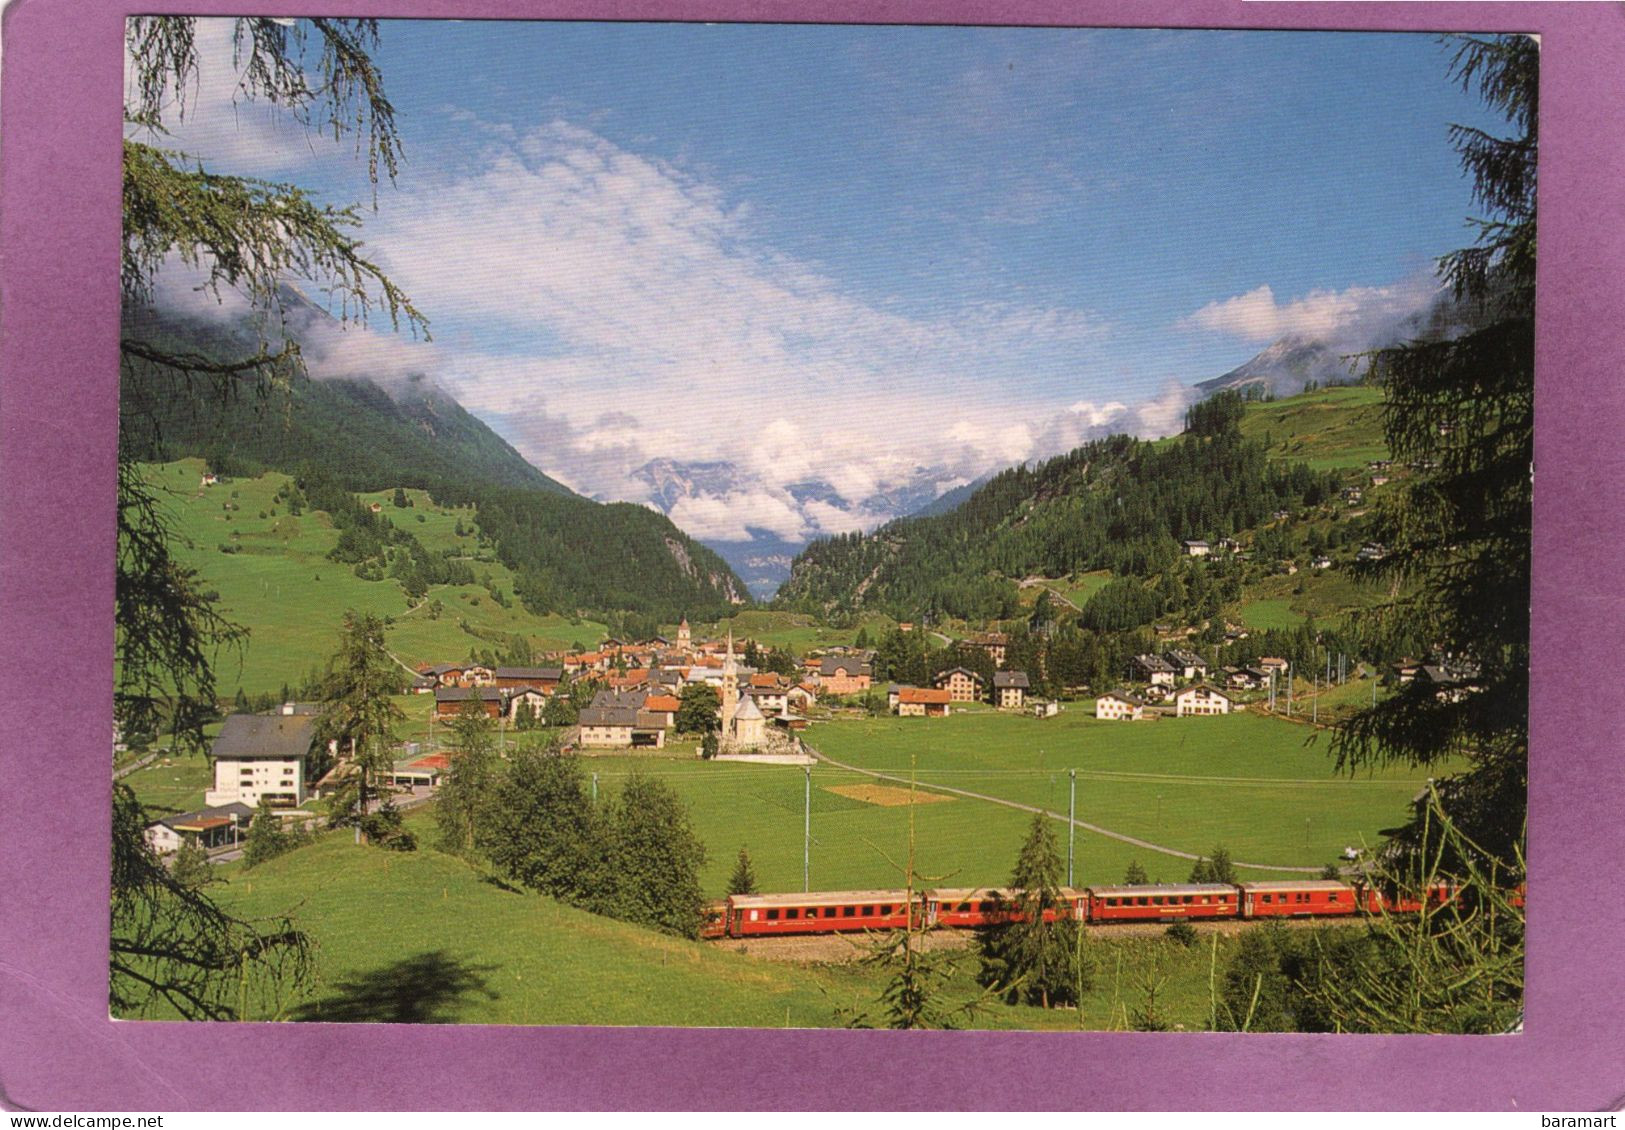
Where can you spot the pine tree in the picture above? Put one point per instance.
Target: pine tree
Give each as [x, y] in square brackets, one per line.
[357, 711]
[468, 791]
[743, 880]
[191, 867]
[267, 836]
[1025, 957]
[1135, 876]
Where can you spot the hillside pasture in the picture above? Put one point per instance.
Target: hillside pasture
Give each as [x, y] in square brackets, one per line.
[1330, 429]
[394, 944]
[280, 583]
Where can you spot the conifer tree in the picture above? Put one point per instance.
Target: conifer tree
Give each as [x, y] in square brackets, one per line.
[743, 880]
[467, 793]
[1025, 957]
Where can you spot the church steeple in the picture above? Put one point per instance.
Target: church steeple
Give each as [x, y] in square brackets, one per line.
[730, 689]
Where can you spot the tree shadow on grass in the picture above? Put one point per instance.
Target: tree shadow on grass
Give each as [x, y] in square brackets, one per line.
[428, 988]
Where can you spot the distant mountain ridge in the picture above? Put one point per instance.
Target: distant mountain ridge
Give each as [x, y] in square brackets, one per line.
[406, 431]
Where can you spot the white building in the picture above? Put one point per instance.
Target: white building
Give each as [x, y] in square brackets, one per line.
[261, 755]
[1201, 699]
[1118, 706]
[208, 828]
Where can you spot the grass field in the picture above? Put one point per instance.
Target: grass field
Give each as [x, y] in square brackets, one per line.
[1331, 429]
[793, 630]
[423, 937]
[280, 583]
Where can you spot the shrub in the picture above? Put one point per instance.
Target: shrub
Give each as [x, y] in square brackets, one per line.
[1183, 933]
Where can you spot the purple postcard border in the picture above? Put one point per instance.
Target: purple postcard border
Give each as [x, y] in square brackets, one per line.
[59, 220]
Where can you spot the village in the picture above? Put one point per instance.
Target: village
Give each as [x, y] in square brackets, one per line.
[628, 697]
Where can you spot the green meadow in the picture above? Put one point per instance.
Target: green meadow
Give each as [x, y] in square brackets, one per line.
[280, 583]
[1331, 429]
[425, 938]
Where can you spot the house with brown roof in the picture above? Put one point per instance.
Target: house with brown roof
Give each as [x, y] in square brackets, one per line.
[922, 702]
[994, 643]
[448, 701]
[544, 679]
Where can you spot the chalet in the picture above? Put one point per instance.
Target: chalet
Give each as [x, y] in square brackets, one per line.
[1405, 671]
[1187, 664]
[1227, 545]
[922, 702]
[1353, 495]
[1201, 699]
[261, 755]
[544, 679]
[1243, 678]
[905, 626]
[1197, 548]
[994, 643]
[1371, 551]
[1379, 480]
[801, 696]
[209, 828]
[448, 701]
[1380, 464]
[962, 684]
[1153, 669]
[1119, 706]
[1271, 665]
[423, 684]
[1010, 689]
[838, 675]
[210, 478]
[1157, 692]
[443, 674]
[1451, 681]
[528, 700]
[1321, 562]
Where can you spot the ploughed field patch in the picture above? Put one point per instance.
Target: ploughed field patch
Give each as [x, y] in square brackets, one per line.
[886, 796]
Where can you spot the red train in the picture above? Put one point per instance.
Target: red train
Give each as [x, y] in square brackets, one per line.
[829, 912]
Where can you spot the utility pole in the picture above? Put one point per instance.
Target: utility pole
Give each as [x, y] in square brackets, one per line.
[595, 790]
[1314, 702]
[806, 834]
[1071, 822]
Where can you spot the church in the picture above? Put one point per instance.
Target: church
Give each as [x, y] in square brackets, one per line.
[744, 726]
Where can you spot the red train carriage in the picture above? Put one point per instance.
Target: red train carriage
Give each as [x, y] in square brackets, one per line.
[981, 906]
[1317, 898]
[1388, 900]
[1162, 902]
[714, 920]
[820, 912]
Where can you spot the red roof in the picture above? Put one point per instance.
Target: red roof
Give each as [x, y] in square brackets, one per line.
[659, 702]
[432, 761]
[764, 679]
[926, 695]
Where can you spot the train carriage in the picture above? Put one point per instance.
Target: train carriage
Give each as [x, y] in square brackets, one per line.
[984, 906]
[817, 912]
[1161, 902]
[1304, 898]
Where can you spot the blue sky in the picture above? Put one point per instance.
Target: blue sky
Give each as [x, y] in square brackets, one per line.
[873, 256]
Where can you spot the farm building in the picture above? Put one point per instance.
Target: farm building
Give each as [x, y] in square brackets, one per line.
[1119, 706]
[543, 679]
[962, 684]
[1197, 548]
[1010, 689]
[448, 701]
[1201, 699]
[261, 755]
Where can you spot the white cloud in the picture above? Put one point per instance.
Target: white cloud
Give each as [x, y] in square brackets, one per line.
[1257, 316]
